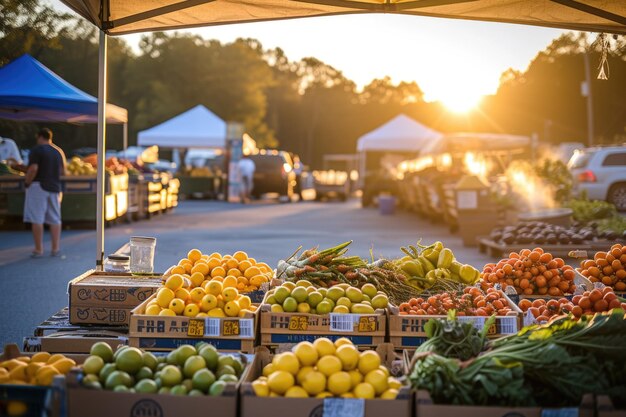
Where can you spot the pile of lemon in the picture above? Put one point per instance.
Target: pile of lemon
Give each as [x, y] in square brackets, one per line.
[326, 369]
[210, 286]
[38, 369]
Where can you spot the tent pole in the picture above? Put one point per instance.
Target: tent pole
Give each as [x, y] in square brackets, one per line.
[125, 135]
[102, 100]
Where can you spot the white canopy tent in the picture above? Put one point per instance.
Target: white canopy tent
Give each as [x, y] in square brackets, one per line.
[116, 17]
[400, 134]
[198, 127]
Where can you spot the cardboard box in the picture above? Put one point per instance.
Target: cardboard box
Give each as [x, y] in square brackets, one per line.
[424, 407]
[407, 332]
[75, 341]
[364, 330]
[108, 298]
[167, 332]
[83, 402]
[253, 406]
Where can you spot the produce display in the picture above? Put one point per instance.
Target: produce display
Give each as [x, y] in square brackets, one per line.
[187, 370]
[244, 272]
[325, 369]
[541, 233]
[531, 272]
[303, 297]
[473, 302]
[77, 166]
[5, 169]
[607, 267]
[590, 302]
[38, 369]
[551, 365]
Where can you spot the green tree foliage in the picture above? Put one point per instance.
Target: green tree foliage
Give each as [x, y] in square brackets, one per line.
[305, 106]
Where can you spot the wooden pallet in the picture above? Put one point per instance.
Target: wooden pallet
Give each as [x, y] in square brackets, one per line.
[498, 250]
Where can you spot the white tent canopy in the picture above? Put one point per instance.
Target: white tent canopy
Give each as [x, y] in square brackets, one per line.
[198, 127]
[401, 134]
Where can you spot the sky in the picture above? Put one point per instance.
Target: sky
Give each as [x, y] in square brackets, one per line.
[453, 61]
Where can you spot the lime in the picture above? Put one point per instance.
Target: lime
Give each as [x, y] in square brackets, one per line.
[121, 388]
[193, 364]
[171, 375]
[229, 378]
[89, 378]
[146, 386]
[217, 388]
[187, 384]
[93, 364]
[106, 371]
[300, 294]
[196, 393]
[150, 361]
[237, 366]
[103, 350]
[171, 358]
[225, 360]
[203, 379]
[225, 370]
[129, 360]
[178, 390]
[164, 390]
[184, 352]
[116, 378]
[144, 373]
[118, 351]
[290, 304]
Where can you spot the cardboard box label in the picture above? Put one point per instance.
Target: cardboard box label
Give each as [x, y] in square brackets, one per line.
[196, 328]
[348, 323]
[367, 324]
[212, 327]
[340, 407]
[96, 315]
[240, 327]
[298, 323]
[284, 322]
[171, 325]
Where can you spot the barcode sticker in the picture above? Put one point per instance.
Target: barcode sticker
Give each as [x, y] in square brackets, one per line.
[508, 325]
[343, 322]
[478, 322]
[212, 328]
[246, 327]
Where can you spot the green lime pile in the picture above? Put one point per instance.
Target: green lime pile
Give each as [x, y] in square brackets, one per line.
[187, 370]
[303, 297]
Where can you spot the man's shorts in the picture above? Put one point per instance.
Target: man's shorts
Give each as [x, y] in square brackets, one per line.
[41, 206]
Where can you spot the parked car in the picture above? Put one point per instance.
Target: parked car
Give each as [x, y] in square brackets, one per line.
[601, 172]
[273, 174]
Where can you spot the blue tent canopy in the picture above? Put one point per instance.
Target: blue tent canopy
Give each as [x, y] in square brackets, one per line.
[29, 91]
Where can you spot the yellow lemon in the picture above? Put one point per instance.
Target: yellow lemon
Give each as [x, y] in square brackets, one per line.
[200, 267]
[230, 281]
[342, 341]
[384, 370]
[306, 353]
[286, 361]
[252, 261]
[218, 271]
[324, 394]
[191, 310]
[216, 312]
[231, 309]
[196, 278]
[55, 357]
[174, 282]
[194, 255]
[167, 312]
[187, 264]
[215, 255]
[339, 383]
[263, 267]
[197, 294]
[177, 306]
[177, 270]
[261, 389]
[202, 315]
[365, 391]
[208, 303]
[153, 310]
[302, 373]
[393, 383]
[231, 264]
[349, 356]
[296, 392]
[240, 256]
[213, 262]
[369, 361]
[277, 308]
[234, 272]
[252, 271]
[390, 394]
[356, 377]
[329, 365]
[40, 357]
[324, 346]
[268, 369]
[378, 380]
[214, 287]
[230, 294]
[64, 365]
[164, 297]
[243, 265]
[19, 372]
[280, 381]
[183, 294]
[244, 302]
[314, 382]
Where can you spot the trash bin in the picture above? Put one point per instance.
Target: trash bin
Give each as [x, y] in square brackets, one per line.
[386, 204]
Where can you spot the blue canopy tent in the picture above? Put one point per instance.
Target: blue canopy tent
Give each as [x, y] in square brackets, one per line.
[29, 91]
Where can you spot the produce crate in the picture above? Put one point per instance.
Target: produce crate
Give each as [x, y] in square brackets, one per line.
[498, 250]
[107, 298]
[364, 330]
[83, 402]
[40, 401]
[424, 407]
[164, 333]
[75, 341]
[253, 406]
[407, 332]
[605, 408]
[60, 322]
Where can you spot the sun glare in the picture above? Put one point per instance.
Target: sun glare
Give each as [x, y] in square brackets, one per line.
[460, 102]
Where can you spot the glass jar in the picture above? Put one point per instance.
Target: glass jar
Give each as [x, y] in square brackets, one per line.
[142, 254]
[117, 263]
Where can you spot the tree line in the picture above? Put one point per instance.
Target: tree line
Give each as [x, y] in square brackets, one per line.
[305, 106]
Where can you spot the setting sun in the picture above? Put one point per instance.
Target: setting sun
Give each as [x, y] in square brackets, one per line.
[461, 102]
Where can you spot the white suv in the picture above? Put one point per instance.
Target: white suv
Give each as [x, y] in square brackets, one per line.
[601, 172]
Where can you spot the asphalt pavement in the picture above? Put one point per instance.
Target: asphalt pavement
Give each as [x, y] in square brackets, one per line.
[31, 290]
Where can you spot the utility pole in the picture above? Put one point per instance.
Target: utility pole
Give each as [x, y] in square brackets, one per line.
[587, 92]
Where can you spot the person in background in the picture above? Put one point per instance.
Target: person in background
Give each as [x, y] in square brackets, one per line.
[9, 151]
[298, 168]
[46, 165]
[245, 169]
